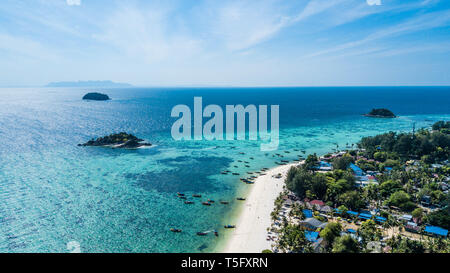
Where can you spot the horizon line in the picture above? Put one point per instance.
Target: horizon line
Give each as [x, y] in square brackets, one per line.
[224, 86]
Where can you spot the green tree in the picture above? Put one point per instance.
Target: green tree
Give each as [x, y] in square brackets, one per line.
[343, 209]
[342, 163]
[369, 231]
[418, 213]
[352, 200]
[345, 244]
[402, 200]
[311, 162]
[330, 232]
[300, 183]
[293, 239]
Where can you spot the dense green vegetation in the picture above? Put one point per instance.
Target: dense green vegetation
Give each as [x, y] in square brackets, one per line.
[95, 96]
[336, 187]
[439, 218]
[415, 184]
[345, 244]
[430, 146]
[121, 140]
[381, 112]
[442, 126]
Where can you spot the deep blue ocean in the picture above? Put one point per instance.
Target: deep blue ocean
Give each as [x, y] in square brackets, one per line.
[53, 192]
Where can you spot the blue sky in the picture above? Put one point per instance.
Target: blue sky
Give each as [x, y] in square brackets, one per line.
[226, 43]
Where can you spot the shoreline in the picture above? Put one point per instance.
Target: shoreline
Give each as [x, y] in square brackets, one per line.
[250, 234]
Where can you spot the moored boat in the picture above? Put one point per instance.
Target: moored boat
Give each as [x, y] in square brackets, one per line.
[176, 230]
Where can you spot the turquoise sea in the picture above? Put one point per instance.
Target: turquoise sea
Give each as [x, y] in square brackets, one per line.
[53, 192]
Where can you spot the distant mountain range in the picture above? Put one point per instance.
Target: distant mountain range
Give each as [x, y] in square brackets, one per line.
[107, 84]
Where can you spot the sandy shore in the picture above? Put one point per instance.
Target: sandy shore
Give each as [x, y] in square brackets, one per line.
[251, 229]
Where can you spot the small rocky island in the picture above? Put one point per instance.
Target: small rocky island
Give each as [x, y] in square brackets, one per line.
[96, 96]
[380, 113]
[120, 140]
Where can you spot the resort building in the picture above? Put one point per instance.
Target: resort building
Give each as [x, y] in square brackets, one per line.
[312, 224]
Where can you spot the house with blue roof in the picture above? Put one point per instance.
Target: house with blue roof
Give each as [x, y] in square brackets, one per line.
[356, 170]
[311, 235]
[324, 166]
[436, 231]
[365, 216]
[308, 213]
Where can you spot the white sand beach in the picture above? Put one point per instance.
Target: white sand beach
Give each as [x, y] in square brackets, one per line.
[251, 229]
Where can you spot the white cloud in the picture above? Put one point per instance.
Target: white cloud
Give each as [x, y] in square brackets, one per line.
[243, 24]
[374, 2]
[315, 7]
[145, 34]
[73, 2]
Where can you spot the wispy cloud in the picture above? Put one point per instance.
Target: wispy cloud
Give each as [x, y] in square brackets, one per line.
[146, 34]
[243, 24]
[315, 7]
[208, 41]
[73, 2]
[420, 23]
[374, 2]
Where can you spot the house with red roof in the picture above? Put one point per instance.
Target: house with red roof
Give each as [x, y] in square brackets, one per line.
[317, 203]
